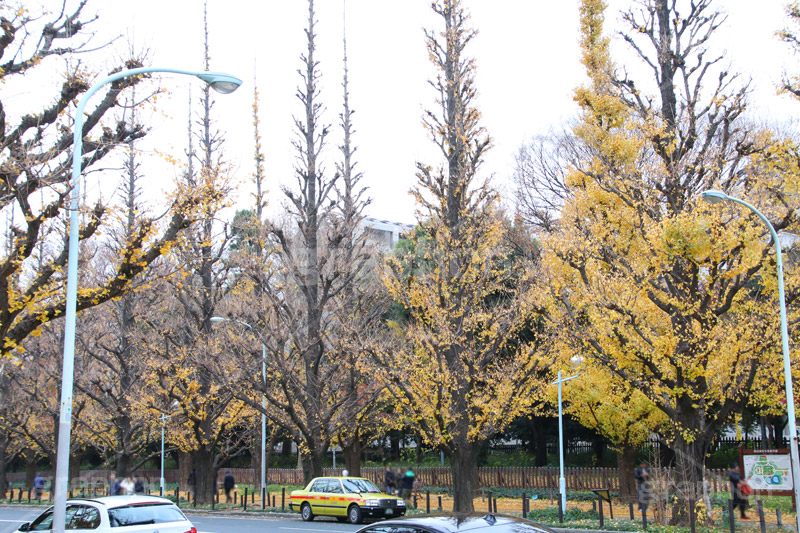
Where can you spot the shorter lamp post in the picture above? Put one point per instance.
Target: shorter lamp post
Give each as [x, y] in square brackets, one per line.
[575, 361]
[163, 485]
[263, 405]
[715, 197]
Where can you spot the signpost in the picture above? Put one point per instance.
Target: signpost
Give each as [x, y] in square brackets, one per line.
[768, 471]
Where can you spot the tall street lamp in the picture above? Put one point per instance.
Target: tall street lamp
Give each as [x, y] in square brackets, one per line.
[263, 405]
[715, 197]
[575, 361]
[223, 83]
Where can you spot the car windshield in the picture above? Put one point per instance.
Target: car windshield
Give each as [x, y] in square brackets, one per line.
[359, 485]
[144, 514]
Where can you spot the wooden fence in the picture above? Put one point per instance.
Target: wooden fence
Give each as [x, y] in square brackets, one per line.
[529, 478]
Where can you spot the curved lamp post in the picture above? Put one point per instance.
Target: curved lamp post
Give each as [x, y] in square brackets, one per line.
[575, 361]
[715, 197]
[263, 405]
[223, 83]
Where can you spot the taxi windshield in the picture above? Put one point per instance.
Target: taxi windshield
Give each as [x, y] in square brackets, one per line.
[359, 485]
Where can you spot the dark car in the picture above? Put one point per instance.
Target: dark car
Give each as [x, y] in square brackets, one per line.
[457, 523]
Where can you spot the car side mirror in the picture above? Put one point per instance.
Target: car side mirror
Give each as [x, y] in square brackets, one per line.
[24, 527]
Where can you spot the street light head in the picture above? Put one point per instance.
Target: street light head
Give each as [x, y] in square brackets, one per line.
[222, 83]
[575, 361]
[218, 319]
[714, 197]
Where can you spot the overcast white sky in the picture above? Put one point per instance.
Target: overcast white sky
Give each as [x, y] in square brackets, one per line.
[528, 65]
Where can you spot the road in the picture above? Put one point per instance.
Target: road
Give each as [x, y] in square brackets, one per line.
[11, 518]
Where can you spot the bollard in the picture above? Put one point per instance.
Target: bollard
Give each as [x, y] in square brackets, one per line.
[644, 519]
[524, 501]
[490, 502]
[414, 498]
[273, 501]
[29, 495]
[264, 497]
[560, 512]
[731, 520]
[244, 499]
[440, 503]
[691, 516]
[495, 504]
[283, 498]
[20, 495]
[630, 508]
[761, 520]
[428, 501]
[594, 506]
[778, 517]
[235, 498]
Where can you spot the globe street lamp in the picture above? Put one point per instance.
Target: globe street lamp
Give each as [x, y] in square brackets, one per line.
[715, 197]
[264, 407]
[164, 417]
[223, 83]
[575, 361]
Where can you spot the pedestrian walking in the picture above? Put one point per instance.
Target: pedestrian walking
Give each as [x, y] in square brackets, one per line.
[389, 480]
[126, 486]
[228, 483]
[399, 482]
[642, 475]
[739, 490]
[113, 485]
[138, 485]
[38, 486]
[408, 483]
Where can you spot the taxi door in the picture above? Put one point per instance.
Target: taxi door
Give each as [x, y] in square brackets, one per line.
[337, 500]
[317, 497]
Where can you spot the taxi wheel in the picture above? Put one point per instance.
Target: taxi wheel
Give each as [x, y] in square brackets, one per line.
[305, 512]
[354, 514]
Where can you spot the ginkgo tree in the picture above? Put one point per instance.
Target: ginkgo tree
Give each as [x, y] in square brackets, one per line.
[35, 169]
[670, 294]
[466, 355]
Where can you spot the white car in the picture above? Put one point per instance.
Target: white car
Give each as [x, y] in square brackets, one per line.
[117, 514]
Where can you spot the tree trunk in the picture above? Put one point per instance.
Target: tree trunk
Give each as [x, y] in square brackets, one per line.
[3, 462]
[184, 468]
[351, 449]
[123, 469]
[312, 463]
[286, 447]
[464, 468]
[205, 475]
[74, 470]
[599, 448]
[30, 469]
[626, 464]
[689, 482]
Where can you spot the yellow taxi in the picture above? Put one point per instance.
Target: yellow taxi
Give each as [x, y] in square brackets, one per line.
[347, 498]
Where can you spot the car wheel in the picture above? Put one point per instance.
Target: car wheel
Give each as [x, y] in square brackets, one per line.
[354, 514]
[305, 512]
